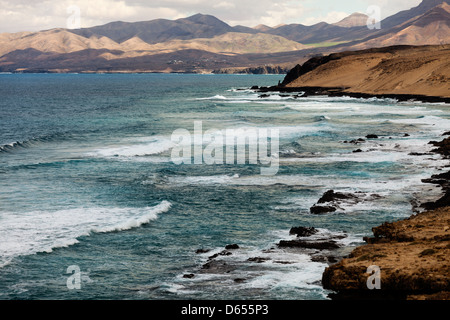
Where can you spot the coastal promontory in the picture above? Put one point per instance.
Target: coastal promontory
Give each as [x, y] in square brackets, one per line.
[397, 70]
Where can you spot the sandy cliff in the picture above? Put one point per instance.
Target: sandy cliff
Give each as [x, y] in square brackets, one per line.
[413, 256]
[423, 70]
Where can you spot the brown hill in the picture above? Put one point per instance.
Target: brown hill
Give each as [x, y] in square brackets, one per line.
[123, 46]
[406, 15]
[262, 28]
[63, 41]
[55, 40]
[430, 28]
[354, 20]
[392, 70]
[159, 30]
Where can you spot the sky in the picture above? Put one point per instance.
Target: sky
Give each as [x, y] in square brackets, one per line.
[35, 15]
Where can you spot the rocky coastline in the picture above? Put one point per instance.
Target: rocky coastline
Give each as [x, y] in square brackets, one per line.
[403, 73]
[343, 92]
[413, 255]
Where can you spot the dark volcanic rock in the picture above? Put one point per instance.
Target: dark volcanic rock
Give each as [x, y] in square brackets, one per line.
[444, 201]
[217, 267]
[372, 136]
[199, 251]
[189, 276]
[315, 209]
[419, 154]
[303, 231]
[443, 147]
[318, 258]
[331, 196]
[258, 259]
[222, 253]
[442, 179]
[283, 262]
[232, 247]
[356, 141]
[320, 245]
[323, 258]
[360, 140]
[308, 66]
[330, 201]
[293, 74]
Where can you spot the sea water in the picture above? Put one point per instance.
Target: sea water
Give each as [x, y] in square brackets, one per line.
[87, 181]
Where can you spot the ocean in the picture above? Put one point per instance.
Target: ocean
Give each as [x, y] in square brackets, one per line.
[93, 205]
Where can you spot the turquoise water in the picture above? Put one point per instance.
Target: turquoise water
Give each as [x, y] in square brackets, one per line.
[87, 179]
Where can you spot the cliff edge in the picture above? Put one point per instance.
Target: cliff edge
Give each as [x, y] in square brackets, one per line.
[413, 257]
[397, 70]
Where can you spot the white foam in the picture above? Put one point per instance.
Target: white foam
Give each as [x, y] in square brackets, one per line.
[154, 146]
[372, 157]
[205, 180]
[430, 122]
[356, 108]
[278, 268]
[42, 231]
[148, 146]
[271, 273]
[299, 277]
[216, 97]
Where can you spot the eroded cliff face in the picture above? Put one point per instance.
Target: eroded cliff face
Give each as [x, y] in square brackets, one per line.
[390, 70]
[413, 256]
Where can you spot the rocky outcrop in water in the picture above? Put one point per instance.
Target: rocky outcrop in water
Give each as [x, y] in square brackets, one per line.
[303, 231]
[442, 179]
[332, 201]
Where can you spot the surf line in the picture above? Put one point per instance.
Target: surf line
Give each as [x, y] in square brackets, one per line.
[256, 146]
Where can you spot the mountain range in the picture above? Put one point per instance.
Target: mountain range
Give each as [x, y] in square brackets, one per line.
[203, 43]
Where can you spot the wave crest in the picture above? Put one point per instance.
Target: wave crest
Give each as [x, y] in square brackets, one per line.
[42, 231]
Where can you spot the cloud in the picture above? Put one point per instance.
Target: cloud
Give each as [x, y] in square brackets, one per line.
[33, 15]
[330, 17]
[24, 15]
[224, 5]
[389, 7]
[30, 15]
